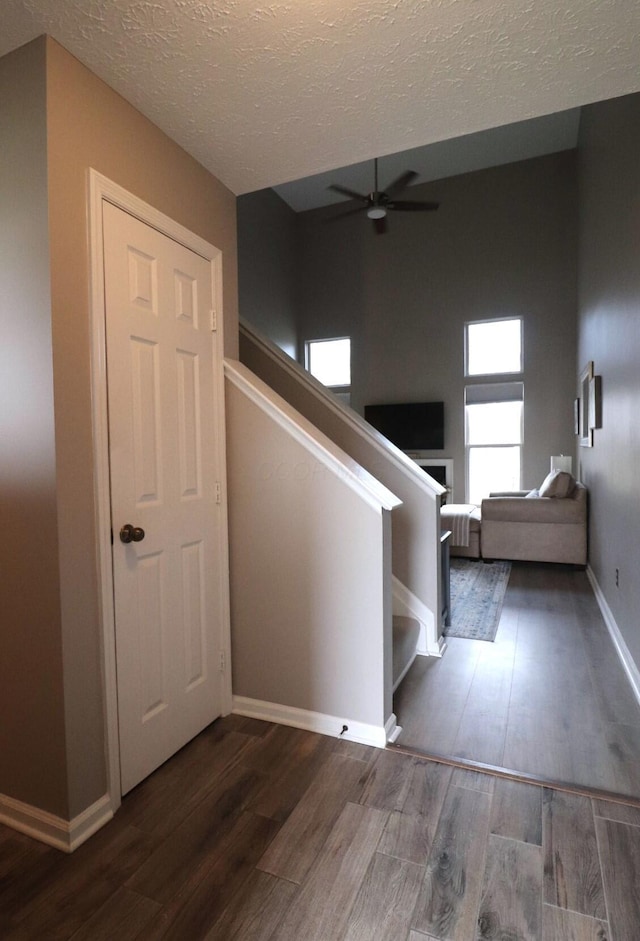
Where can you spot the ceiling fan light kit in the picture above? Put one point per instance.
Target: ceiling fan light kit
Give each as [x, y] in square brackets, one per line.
[379, 202]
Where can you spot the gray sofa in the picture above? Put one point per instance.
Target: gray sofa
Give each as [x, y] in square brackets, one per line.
[519, 525]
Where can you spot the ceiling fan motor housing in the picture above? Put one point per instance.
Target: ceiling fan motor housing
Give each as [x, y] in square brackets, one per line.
[379, 202]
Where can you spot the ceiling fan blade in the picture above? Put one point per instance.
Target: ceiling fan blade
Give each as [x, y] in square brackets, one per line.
[404, 180]
[409, 206]
[344, 191]
[380, 225]
[343, 215]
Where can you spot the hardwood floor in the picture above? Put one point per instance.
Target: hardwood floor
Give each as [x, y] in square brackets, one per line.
[548, 698]
[256, 832]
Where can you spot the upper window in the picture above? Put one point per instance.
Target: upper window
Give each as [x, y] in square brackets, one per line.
[493, 346]
[330, 361]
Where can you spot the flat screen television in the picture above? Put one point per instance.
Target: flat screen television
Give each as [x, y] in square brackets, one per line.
[411, 426]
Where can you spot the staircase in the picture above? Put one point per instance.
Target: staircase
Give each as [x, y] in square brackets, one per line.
[316, 576]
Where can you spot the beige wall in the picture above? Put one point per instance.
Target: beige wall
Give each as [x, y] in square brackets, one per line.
[87, 125]
[609, 334]
[311, 615]
[32, 737]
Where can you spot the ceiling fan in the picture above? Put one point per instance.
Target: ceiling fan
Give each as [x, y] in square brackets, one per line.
[379, 202]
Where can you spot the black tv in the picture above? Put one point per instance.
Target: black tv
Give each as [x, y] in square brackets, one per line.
[411, 426]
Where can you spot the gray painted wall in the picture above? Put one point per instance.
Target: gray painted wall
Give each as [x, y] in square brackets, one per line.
[609, 334]
[502, 243]
[267, 230]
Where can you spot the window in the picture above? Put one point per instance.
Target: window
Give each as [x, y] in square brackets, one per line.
[493, 411]
[330, 362]
[493, 346]
[493, 433]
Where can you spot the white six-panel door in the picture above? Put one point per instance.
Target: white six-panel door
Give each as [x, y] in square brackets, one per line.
[164, 470]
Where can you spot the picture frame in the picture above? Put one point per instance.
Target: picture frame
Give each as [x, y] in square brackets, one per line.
[585, 432]
[595, 402]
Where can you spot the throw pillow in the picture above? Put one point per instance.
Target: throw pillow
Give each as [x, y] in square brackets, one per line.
[532, 495]
[558, 484]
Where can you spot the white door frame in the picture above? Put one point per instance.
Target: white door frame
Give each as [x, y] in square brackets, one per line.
[101, 189]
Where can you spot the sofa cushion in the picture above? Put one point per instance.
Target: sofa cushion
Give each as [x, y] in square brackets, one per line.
[535, 510]
[558, 484]
[448, 511]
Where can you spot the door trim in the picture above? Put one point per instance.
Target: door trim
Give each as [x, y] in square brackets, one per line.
[101, 189]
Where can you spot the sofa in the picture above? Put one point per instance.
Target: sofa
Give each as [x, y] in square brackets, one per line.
[546, 525]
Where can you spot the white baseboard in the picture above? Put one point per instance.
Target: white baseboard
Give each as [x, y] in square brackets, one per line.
[442, 645]
[65, 835]
[628, 663]
[375, 735]
[392, 729]
[406, 604]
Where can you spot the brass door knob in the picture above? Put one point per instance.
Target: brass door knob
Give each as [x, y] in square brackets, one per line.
[130, 533]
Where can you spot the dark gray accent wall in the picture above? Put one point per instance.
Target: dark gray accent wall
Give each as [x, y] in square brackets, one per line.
[503, 243]
[609, 334]
[267, 267]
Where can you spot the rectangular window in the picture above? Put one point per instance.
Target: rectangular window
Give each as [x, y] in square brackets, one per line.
[493, 346]
[493, 470]
[330, 362]
[493, 437]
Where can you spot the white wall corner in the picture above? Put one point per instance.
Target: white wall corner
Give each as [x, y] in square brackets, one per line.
[364, 734]
[628, 663]
[406, 604]
[65, 835]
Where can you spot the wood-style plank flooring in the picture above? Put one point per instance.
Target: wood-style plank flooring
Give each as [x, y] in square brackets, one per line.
[548, 697]
[256, 832]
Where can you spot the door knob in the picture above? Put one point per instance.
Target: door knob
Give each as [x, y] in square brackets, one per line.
[130, 533]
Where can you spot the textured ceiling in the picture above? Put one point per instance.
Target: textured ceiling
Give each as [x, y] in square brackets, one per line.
[263, 93]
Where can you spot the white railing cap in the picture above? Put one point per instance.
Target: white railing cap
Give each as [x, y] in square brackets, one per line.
[400, 460]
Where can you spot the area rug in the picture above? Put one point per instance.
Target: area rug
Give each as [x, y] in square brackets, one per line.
[477, 593]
